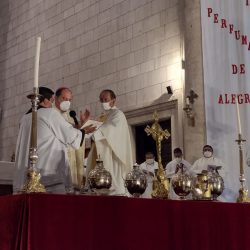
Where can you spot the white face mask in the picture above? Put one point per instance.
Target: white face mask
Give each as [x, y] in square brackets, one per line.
[178, 159]
[207, 154]
[150, 161]
[64, 106]
[106, 106]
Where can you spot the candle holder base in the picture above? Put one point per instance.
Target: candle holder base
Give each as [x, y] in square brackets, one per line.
[160, 192]
[33, 184]
[243, 191]
[243, 196]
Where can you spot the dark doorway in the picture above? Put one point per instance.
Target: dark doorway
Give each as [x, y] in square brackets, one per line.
[145, 143]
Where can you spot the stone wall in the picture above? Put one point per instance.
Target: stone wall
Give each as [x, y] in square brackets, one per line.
[134, 47]
[194, 137]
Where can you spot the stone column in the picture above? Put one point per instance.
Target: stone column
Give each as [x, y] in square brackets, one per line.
[194, 137]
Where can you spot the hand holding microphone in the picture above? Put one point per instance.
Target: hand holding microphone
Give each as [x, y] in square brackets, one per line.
[72, 114]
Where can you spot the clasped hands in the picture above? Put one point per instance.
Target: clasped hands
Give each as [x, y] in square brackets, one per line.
[84, 116]
[148, 173]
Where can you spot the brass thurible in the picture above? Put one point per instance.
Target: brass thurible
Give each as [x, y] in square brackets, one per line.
[160, 184]
[33, 184]
[243, 191]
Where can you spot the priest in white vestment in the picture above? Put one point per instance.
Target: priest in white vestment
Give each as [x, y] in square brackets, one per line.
[112, 143]
[53, 134]
[148, 167]
[63, 98]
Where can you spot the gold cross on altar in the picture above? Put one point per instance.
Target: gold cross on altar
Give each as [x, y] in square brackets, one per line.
[161, 185]
[156, 131]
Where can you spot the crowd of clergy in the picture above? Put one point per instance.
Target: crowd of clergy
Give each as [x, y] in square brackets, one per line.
[178, 164]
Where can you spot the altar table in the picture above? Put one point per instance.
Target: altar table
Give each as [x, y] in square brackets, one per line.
[77, 222]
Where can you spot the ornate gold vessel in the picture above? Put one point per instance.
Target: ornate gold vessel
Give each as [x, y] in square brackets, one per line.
[202, 188]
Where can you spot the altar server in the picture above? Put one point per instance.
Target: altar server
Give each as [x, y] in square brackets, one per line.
[173, 166]
[148, 167]
[208, 159]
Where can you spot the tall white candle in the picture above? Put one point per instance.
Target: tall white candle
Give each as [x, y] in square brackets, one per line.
[187, 101]
[238, 117]
[37, 57]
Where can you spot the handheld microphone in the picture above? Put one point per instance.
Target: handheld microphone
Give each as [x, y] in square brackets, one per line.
[72, 114]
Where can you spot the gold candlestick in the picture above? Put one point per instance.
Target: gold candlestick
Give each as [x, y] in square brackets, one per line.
[243, 191]
[33, 184]
[161, 186]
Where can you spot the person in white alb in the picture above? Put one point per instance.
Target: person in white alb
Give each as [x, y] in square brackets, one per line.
[148, 167]
[63, 99]
[112, 143]
[208, 159]
[172, 166]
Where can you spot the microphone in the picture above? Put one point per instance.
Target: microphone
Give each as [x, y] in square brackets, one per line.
[72, 114]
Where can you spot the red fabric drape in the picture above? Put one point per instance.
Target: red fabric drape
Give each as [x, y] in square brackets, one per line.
[50, 222]
[13, 222]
